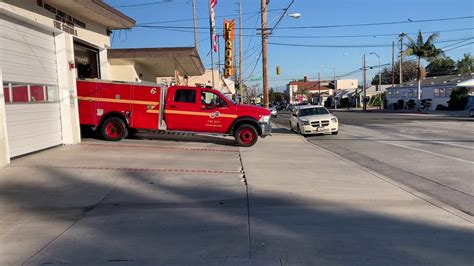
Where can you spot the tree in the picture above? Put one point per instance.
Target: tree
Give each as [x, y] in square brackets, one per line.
[465, 65]
[410, 71]
[278, 97]
[275, 96]
[422, 50]
[440, 66]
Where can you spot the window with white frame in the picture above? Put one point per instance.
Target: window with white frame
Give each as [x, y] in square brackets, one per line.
[442, 92]
[29, 93]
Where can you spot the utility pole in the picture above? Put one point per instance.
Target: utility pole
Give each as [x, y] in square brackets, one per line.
[241, 59]
[212, 50]
[234, 55]
[219, 55]
[364, 94]
[380, 83]
[393, 63]
[319, 88]
[194, 19]
[401, 57]
[264, 52]
[335, 89]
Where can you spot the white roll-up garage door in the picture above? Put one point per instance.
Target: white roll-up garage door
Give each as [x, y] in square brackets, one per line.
[28, 59]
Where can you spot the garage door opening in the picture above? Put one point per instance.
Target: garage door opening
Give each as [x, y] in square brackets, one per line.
[87, 61]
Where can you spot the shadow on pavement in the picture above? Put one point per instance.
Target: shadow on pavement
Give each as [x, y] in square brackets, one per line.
[176, 137]
[144, 218]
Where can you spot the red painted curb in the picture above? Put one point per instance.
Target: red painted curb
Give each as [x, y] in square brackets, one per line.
[160, 148]
[167, 170]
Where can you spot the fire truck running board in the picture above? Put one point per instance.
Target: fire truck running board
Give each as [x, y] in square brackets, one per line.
[188, 133]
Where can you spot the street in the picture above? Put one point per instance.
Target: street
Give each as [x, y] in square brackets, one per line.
[432, 154]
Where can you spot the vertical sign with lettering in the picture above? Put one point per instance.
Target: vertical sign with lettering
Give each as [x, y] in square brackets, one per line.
[229, 34]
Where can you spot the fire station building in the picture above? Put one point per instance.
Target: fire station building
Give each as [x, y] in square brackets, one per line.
[45, 45]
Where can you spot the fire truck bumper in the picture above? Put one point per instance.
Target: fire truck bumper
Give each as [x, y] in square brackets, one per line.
[266, 129]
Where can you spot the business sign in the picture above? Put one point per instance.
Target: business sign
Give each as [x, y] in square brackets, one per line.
[229, 34]
[62, 20]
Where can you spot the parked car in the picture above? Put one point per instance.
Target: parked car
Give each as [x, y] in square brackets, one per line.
[314, 119]
[470, 106]
[273, 111]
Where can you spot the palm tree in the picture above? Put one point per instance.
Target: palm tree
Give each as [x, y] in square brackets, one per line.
[422, 50]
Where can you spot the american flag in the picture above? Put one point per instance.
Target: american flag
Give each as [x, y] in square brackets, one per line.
[212, 4]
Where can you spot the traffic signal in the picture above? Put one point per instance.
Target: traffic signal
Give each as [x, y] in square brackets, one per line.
[278, 70]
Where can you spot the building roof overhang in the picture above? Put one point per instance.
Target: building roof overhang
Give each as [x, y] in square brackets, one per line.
[96, 11]
[163, 62]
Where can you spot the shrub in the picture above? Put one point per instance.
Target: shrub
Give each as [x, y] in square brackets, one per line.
[441, 107]
[401, 104]
[458, 99]
[343, 103]
[411, 104]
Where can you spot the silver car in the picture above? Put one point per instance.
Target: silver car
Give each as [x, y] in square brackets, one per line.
[314, 119]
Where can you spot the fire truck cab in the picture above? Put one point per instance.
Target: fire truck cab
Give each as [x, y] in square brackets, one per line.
[117, 109]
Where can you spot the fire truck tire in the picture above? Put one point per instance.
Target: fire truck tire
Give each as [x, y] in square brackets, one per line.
[114, 129]
[246, 135]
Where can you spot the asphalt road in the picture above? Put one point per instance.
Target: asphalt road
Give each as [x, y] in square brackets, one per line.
[432, 154]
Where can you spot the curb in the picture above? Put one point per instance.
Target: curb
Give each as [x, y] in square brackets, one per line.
[462, 215]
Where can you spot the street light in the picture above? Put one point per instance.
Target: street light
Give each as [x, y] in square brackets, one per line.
[380, 77]
[294, 15]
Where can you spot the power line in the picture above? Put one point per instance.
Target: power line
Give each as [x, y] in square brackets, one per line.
[362, 35]
[206, 18]
[341, 25]
[456, 43]
[152, 3]
[450, 49]
[351, 45]
[377, 23]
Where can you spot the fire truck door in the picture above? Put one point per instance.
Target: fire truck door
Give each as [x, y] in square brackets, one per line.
[182, 110]
[145, 107]
[217, 115]
[87, 92]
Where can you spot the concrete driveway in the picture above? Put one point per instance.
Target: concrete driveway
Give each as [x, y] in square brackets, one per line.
[134, 201]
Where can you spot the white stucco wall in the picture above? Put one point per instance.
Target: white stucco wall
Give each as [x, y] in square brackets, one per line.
[428, 93]
[94, 34]
[4, 158]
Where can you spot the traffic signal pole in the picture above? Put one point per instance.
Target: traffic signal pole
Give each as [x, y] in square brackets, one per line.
[364, 94]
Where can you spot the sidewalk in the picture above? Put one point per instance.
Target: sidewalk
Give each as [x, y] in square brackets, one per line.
[308, 207]
[168, 202]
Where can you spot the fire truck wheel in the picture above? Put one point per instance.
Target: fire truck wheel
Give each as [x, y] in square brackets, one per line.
[246, 135]
[114, 129]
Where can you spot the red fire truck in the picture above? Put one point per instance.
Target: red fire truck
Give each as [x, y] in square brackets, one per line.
[117, 109]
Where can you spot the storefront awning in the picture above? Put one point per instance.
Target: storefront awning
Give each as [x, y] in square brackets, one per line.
[162, 62]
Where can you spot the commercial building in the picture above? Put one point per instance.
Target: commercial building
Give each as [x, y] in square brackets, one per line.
[322, 92]
[45, 45]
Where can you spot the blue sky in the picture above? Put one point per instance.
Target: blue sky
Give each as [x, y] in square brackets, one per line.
[295, 62]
